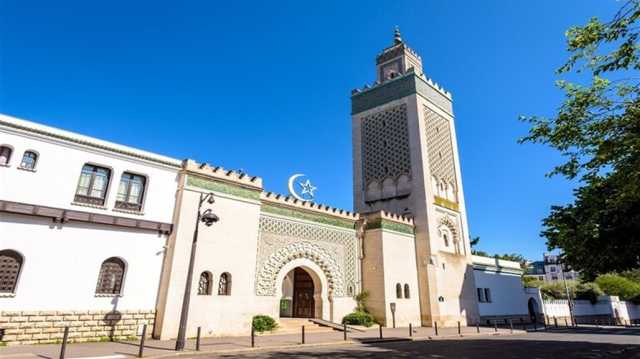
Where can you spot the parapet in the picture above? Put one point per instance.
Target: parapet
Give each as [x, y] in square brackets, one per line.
[289, 201]
[233, 176]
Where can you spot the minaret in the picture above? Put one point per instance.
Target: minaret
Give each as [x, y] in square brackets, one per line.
[405, 160]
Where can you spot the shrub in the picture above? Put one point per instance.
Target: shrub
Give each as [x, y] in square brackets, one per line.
[359, 318]
[557, 290]
[263, 323]
[588, 291]
[361, 301]
[531, 282]
[614, 284]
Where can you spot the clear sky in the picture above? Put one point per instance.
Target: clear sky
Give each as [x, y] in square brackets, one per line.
[265, 86]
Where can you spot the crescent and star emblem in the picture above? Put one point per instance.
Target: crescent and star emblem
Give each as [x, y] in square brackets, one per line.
[306, 188]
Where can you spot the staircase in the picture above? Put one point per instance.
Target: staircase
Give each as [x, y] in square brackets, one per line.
[294, 325]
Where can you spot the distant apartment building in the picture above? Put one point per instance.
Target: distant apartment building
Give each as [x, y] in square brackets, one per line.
[550, 269]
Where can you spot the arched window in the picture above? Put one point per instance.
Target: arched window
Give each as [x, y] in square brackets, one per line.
[111, 276]
[445, 238]
[10, 266]
[398, 290]
[5, 155]
[29, 159]
[204, 285]
[224, 287]
[407, 293]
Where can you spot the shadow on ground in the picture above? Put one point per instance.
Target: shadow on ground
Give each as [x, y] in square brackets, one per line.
[470, 348]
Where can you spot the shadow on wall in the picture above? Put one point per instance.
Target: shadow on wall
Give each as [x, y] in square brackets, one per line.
[468, 302]
[112, 318]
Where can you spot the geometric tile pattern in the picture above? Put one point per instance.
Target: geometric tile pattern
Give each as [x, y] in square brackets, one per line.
[385, 145]
[332, 248]
[439, 146]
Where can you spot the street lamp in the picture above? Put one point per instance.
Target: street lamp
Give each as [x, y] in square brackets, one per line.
[208, 218]
[566, 288]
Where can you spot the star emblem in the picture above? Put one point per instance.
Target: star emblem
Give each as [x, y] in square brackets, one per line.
[307, 188]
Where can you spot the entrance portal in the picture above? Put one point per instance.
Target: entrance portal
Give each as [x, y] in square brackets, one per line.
[301, 294]
[303, 302]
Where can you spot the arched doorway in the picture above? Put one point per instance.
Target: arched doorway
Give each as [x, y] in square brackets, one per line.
[299, 294]
[303, 293]
[533, 310]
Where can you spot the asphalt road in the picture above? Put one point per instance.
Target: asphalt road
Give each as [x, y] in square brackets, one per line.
[566, 345]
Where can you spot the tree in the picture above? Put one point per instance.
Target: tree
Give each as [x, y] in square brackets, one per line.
[597, 130]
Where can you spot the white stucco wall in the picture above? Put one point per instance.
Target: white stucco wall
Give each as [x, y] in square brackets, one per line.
[58, 169]
[227, 246]
[398, 253]
[62, 262]
[503, 278]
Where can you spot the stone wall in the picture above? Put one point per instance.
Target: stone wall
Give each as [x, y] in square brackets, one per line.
[46, 327]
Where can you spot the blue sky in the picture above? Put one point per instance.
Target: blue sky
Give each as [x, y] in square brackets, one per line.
[265, 86]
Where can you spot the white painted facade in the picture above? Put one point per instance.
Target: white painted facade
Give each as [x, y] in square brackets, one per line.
[62, 259]
[506, 294]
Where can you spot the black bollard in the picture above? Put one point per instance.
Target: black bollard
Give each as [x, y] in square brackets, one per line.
[511, 325]
[198, 338]
[435, 325]
[344, 330]
[495, 325]
[410, 330]
[459, 329]
[477, 327]
[253, 337]
[535, 325]
[555, 322]
[522, 323]
[566, 324]
[144, 335]
[380, 327]
[64, 342]
[303, 334]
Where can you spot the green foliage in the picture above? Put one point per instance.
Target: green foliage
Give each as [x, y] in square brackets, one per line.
[614, 284]
[263, 323]
[597, 130]
[588, 291]
[359, 318]
[361, 301]
[531, 282]
[557, 290]
[633, 275]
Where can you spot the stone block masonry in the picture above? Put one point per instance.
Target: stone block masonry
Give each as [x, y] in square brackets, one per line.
[47, 327]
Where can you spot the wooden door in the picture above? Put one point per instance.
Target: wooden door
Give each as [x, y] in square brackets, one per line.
[303, 303]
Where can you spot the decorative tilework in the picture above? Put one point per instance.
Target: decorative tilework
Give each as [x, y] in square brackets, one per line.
[282, 240]
[288, 212]
[439, 146]
[385, 145]
[391, 226]
[222, 187]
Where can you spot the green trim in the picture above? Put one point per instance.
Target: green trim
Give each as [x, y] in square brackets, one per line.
[391, 226]
[396, 89]
[313, 217]
[222, 187]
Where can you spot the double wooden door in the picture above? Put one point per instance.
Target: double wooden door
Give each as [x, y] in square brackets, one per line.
[303, 302]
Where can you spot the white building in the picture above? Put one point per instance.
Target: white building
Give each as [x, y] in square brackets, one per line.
[83, 223]
[98, 236]
[550, 269]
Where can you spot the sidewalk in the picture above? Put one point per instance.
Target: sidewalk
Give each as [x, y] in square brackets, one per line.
[164, 348]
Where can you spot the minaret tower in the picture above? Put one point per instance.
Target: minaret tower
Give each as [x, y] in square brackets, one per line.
[405, 161]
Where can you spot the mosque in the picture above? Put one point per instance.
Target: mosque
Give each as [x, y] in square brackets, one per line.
[105, 238]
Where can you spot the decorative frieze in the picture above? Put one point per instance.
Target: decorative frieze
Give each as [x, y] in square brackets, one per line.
[47, 327]
[282, 240]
